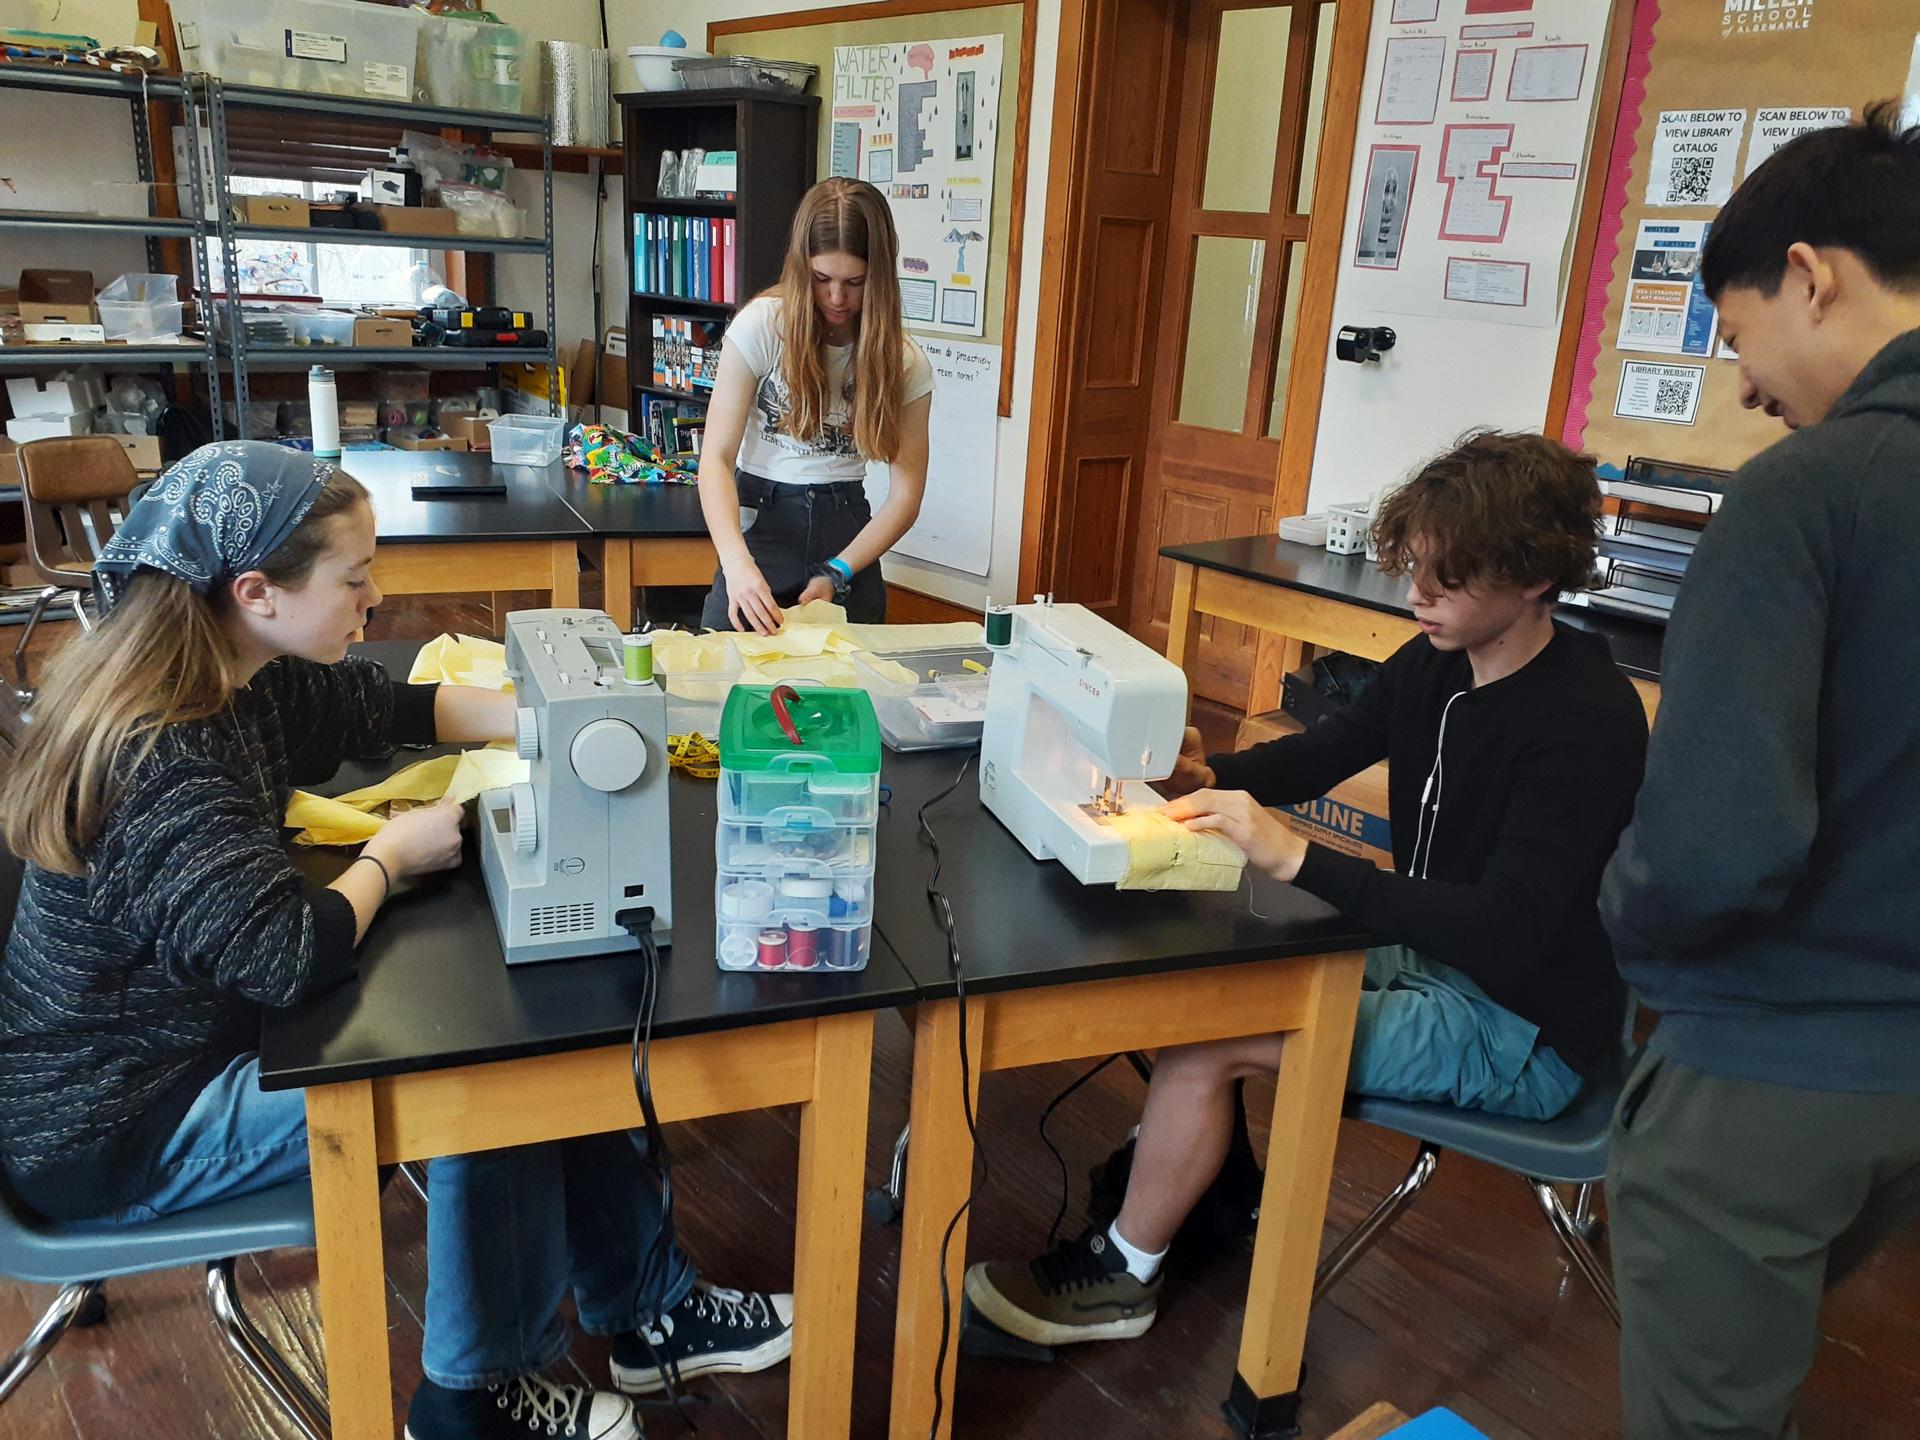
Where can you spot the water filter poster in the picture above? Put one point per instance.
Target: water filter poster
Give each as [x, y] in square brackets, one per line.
[919, 119]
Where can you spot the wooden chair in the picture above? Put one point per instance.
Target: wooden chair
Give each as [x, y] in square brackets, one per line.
[75, 489]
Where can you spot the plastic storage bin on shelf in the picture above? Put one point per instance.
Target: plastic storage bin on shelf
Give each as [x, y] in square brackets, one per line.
[931, 699]
[526, 439]
[471, 64]
[796, 842]
[745, 72]
[323, 47]
[141, 307]
[321, 327]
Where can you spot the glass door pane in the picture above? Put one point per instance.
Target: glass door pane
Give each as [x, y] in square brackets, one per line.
[1249, 87]
[1283, 347]
[1316, 108]
[1224, 304]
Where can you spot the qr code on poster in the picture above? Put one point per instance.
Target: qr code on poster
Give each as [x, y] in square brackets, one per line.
[1690, 180]
[1672, 397]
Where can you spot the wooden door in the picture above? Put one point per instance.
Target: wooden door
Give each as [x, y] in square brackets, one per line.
[1116, 121]
[1242, 316]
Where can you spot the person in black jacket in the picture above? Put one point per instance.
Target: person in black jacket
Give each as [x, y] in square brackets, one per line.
[1764, 899]
[159, 912]
[1515, 747]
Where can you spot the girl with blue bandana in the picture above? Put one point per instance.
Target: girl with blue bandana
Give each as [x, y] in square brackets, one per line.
[159, 911]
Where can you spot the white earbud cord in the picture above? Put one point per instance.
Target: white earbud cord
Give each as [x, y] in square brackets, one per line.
[1431, 792]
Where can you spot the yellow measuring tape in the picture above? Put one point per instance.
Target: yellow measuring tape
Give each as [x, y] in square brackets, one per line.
[695, 754]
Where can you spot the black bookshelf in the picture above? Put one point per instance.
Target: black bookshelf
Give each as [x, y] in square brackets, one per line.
[775, 138]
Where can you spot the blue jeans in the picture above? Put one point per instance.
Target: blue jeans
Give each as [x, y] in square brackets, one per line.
[1427, 1032]
[508, 1231]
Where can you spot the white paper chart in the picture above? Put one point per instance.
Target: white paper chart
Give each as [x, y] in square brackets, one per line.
[1479, 116]
[955, 528]
[919, 120]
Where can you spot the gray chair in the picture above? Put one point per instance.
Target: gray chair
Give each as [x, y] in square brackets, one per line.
[1570, 1149]
[81, 1257]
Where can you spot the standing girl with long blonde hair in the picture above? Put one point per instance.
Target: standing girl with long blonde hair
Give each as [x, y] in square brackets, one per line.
[817, 378]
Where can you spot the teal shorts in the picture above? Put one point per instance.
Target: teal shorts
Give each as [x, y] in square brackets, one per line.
[1427, 1032]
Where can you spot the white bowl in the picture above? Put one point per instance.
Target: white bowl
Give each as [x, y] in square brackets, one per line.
[653, 65]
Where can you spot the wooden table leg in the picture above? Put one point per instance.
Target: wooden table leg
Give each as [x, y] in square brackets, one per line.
[1293, 1205]
[1183, 623]
[566, 574]
[353, 1281]
[615, 558]
[826, 1258]
[939, 1179]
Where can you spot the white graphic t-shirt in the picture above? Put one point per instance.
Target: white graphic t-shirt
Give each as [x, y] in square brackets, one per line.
[831, 455]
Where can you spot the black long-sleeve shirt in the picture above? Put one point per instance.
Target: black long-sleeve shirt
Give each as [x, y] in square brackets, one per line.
[1498, 872]
[126, 989]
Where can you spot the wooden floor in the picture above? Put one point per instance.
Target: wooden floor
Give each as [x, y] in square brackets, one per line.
[1466, 1304]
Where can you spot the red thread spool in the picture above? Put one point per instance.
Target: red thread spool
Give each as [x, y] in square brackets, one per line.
[773, 949]
[803, 944]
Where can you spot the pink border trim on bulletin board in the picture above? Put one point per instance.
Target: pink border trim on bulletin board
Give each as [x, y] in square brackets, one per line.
[1633, 96]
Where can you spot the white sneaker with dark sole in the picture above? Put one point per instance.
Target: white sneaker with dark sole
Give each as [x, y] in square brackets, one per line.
[711, 1332]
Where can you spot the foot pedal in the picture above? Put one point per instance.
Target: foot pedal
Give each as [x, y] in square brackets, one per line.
[984, 1340]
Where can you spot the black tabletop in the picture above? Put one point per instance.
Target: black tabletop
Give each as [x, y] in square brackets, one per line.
[532, 508]
[434, 989]
[630, 511]
[1024, 923]
[1356, 580]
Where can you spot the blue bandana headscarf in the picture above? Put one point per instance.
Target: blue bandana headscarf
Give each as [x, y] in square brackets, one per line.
[216, 514]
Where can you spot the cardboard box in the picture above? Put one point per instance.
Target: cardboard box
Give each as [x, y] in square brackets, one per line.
[56, 297]
[359, 415]
[143, 451]
[418, 220]
[402, 441]
[378, 330]
[61, 393]
[1351, 818]
[48, 427]
[52, 334]
[286, 210]
[610, 384]
[468, 425]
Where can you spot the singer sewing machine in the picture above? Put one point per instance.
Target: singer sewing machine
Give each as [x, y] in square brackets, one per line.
[1080, 716]
[583, 845]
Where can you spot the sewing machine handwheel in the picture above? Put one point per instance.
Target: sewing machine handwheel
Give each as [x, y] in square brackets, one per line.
[526, 827]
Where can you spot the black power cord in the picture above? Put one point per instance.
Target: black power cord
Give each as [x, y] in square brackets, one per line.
[943, 915]
[1053, 1230]
[656, 1263]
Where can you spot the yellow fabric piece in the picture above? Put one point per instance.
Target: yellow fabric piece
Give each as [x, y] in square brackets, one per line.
[892, 639]
[1162, 854]
[461, 660]
[349, 819]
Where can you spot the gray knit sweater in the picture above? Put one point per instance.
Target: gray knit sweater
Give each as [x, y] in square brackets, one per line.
[125, 990]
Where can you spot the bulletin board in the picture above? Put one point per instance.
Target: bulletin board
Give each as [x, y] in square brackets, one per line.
[811, 36]
[1727, 63]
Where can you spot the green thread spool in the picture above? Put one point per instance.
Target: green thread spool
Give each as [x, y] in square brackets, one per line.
[639, 658]
[999, 626]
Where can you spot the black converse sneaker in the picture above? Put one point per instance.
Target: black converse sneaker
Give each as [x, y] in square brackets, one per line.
[523, 1407]
[1079, 1291]
[711, 1332]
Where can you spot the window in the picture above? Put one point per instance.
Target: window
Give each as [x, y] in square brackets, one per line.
[373, 275]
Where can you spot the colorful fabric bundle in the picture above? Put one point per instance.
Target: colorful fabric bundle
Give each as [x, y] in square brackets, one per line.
[613, 457]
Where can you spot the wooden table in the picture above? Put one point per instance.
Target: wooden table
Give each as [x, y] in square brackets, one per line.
[1060, 971]
[1371, 1424]
[1300, 597]
[641, 535]
[527, 540]
[440, 1048]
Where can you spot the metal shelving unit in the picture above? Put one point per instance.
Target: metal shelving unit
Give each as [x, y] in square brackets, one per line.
[203, 102]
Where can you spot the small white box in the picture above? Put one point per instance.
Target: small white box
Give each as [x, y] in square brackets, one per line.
[64, 334]
[1347, 527]
[59, 394]
[47, 427]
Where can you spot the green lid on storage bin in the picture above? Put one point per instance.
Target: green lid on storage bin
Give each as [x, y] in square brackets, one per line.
[837, 728]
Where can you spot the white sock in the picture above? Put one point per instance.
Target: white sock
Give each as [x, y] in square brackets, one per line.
[1143, 1265]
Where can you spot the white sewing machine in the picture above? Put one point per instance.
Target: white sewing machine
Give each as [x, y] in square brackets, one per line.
[1080, 716]
[584, 842]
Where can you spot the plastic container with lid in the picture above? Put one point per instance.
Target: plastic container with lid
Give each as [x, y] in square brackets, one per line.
[324, 47]
[745, 72]
[930, 699]
[796, 843]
